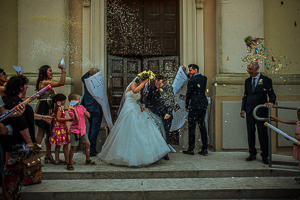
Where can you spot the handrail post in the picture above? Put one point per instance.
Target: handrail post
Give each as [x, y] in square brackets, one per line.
[269, 139]
[269, 121]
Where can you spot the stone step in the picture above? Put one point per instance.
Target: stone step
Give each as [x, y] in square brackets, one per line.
[175, 188]
[71, 175]
[216, 164]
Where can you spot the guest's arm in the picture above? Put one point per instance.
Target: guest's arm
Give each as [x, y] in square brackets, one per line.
[26, 136]
[85, 76]
[87, 114]
[45, 118]
[283, 120]
[73, 113]
[18, 111]
[3, 129]
[244, 100]
[271, 93]
[188, 94]
[59, 83]
[60, 119]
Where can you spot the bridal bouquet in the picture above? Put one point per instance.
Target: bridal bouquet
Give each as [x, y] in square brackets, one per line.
[146, 74]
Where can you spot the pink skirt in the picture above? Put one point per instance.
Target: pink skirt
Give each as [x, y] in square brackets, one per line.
[296, 153]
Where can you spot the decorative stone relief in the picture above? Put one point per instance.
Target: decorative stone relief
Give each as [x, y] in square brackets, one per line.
[199, 4]
[87, 3]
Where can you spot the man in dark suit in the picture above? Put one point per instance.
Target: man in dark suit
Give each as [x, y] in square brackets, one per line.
[163, 104]
[95, 110]
[257, 88]
[196, 104]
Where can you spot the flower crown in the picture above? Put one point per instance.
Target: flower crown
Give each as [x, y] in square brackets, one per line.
[146, 74]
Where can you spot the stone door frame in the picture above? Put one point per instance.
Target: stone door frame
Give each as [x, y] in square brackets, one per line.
[94, 45]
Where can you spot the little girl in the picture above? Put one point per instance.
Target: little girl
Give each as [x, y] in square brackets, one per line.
[296, 153]
[60, 133]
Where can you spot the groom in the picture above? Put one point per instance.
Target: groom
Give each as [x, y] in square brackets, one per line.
[163, 103]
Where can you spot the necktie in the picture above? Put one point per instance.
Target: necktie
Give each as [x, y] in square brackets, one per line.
[253, 84]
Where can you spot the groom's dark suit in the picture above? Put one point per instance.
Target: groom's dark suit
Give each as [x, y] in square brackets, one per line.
[163, 103]
[252, 99]
[196, 102]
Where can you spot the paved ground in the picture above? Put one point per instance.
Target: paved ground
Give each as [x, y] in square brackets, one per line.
[180, 161]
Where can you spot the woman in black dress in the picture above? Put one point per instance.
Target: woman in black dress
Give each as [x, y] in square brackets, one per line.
[44, 104]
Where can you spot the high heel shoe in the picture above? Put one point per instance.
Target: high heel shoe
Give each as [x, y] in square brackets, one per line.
[49, 159]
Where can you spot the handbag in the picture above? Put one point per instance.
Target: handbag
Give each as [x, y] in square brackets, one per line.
[31, 168]
[11, 183]
[34, 178]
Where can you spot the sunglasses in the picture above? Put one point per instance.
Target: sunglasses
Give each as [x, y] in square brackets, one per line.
[3, 73]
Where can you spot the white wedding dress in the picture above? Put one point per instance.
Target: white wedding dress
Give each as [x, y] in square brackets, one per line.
[135, 139]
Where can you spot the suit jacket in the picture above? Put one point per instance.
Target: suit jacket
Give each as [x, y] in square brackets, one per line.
[88, 101]
[195, 95]
[263, 89]
[163, 100]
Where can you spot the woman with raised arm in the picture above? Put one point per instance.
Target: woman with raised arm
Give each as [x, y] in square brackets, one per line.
[44, 105]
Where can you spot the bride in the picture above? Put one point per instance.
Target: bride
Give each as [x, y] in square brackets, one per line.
[137, 138]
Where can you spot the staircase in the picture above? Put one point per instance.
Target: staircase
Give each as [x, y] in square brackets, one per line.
[220, 175]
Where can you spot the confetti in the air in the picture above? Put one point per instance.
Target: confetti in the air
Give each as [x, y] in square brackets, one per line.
[257, 52]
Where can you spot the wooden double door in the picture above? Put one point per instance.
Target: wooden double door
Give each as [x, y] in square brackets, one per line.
[141, 35]
[143, 27]
[121, 71]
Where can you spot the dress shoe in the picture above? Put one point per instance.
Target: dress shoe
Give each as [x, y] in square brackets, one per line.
[265, 161]
[188, 152]
[93, 154]
[251, 157]
[203, 152]
[166, 157]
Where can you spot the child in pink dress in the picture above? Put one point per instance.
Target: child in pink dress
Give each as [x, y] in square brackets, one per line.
[296, 153]
[60, 133]
[78, 130]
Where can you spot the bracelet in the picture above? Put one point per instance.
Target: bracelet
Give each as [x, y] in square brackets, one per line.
[42, 116]
[28, 141]
[64, 71]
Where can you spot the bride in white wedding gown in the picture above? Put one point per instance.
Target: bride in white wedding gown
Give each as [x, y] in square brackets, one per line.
[136, 138]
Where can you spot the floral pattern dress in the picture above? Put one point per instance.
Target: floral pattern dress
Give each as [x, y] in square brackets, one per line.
[60, 134]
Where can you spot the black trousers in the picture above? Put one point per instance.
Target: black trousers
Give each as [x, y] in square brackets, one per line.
[167, 125]
[197, 116]
[262, 136]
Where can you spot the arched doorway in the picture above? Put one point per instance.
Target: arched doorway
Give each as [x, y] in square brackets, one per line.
[141, 35]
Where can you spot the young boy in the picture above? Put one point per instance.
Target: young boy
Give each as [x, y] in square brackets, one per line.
[78, 130]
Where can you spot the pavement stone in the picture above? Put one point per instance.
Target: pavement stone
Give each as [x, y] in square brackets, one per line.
[215, 161]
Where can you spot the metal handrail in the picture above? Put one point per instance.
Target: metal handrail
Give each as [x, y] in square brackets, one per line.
[269, 121]
[264, 105]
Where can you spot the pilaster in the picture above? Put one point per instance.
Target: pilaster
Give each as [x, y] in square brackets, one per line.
[191, 35]
[43, 39]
